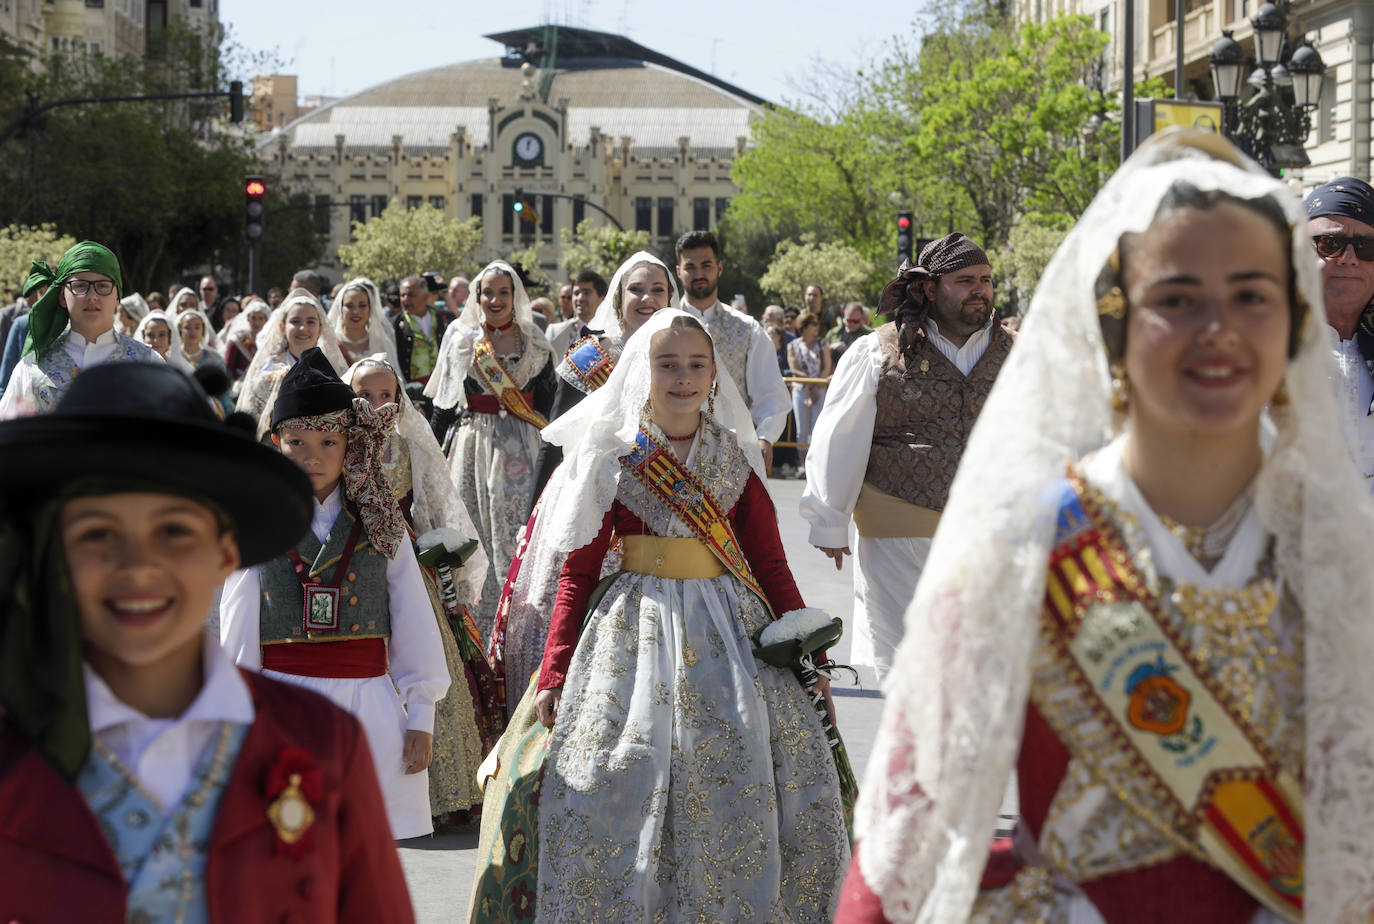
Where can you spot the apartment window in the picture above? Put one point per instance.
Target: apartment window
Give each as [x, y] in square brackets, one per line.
[357, 208]
[546, 215]
[579, 212]
[438, 202]
[95, 4]
[701, 213]
[665, 217]
[721, 205]
[322, 214]
[477, 199]
[379, 204]
[197, 4]
[508, 213]
[414, 202]
[644, 214]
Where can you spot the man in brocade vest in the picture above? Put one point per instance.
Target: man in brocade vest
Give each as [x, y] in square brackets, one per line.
[741, 344]
[897, 417]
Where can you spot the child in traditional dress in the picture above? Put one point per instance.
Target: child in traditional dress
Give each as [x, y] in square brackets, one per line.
[142, 776]
[348, 602]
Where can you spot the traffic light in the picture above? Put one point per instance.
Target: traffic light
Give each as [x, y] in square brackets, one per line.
[903, 237]
[254, 188]
[236, 102]
[524, 208]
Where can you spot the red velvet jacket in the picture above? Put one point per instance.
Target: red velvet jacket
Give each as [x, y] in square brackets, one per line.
[56, 866]
[755, 522]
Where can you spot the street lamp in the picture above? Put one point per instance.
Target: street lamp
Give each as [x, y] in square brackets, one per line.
[1271, 122]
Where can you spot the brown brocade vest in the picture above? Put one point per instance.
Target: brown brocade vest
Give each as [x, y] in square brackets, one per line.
[924, 415]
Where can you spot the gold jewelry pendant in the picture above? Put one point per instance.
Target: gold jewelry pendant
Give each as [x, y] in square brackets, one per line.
[290, 813]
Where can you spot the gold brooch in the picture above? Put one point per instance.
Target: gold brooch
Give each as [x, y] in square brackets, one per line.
[925, 365]
[290, 813]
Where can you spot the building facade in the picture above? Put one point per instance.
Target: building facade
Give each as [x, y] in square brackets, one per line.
[1342, 31]
[109, 27]
[592, 119]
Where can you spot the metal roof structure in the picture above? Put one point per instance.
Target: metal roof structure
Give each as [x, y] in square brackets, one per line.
[610, 83]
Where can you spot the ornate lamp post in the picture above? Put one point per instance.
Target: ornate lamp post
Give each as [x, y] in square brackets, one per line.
[1272, 122]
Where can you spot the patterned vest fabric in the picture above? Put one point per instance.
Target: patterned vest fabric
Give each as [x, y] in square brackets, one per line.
[364, 605]
[162, 856]
[59, 369]
[733, 333]
[925, 413]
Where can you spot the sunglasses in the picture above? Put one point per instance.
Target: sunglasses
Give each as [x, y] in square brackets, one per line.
[1330, 246]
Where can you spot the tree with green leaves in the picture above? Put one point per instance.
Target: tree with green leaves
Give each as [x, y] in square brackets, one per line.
[160, 183]
[840, 270]
[401, 241]
[20, 246]
[600, 248]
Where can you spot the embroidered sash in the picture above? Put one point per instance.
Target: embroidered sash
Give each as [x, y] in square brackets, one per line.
[589, 362]
[673, 483]
[499, 382]
[1215, 788]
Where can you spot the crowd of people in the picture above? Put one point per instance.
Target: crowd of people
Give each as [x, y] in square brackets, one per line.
[487, 559]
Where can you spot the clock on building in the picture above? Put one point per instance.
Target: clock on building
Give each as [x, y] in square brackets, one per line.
[529, 149]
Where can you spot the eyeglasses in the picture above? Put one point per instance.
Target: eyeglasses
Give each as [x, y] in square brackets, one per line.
[83, 287]
[1330, 246]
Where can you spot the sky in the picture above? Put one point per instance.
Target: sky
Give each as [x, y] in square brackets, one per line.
[768, 47]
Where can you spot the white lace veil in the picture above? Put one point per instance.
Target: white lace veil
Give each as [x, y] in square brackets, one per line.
[952, 724]
[594, 435]
[210, 341]
[259, 390]
[136, 306]
[436, 503]
[445, 386]
[608, 317]
[380, 337]
[174, 357]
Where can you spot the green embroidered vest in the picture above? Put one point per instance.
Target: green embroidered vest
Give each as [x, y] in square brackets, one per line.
[364, 606]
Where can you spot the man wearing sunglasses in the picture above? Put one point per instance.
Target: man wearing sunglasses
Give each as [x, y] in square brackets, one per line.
[1341, 224]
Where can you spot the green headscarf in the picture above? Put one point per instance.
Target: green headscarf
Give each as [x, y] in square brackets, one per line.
[48, 318]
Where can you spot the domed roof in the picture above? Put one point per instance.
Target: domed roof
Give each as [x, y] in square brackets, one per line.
[610, 83]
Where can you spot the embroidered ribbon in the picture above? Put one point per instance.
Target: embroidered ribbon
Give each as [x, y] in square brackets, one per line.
[674, 484]
[499, 382]
[1226, 798]
[590, 362]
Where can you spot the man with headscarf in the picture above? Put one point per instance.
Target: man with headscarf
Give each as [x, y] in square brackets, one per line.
[71, 329]
[742, 345]
[897, 417]
[1341, 223]
[15, 318]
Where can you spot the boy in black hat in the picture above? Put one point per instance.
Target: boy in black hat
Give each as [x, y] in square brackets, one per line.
[348, 602]
[142, 776]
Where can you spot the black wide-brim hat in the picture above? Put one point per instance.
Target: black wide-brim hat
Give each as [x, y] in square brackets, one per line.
[150, 426]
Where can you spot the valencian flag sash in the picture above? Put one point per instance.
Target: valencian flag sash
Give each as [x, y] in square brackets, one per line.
[590, 362]
[495, 377]
[1212, 785]
[673, 483]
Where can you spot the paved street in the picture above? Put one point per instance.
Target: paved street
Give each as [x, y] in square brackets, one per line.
[440, 869]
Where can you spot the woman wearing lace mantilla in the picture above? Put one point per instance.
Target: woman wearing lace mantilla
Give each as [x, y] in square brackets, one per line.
[640, 287]
[359, 323]
[1171, 645]
[684, 779]
[494, 378]
[298, 324]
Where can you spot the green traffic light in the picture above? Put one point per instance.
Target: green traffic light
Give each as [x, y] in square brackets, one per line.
[519, 206]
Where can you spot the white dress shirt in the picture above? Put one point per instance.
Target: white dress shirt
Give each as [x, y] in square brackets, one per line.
[769, 400]
[964, 357]
[86, 353]
[1354, 392]
[838, 457]
[163, 753]
[415, 649]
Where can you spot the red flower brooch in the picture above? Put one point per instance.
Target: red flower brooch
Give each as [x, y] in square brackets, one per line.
[295, 785]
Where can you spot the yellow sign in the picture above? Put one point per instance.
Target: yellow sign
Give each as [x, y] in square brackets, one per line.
[1187, 114]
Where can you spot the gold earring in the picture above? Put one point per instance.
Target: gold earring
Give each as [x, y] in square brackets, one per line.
[1281, 398]
[1121, 389]
[711, 401]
